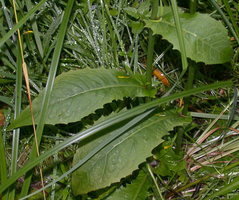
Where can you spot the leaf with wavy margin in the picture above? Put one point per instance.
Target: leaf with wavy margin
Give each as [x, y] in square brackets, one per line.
[122, 156]
[136, 190]
[206, 39]
[79, 93]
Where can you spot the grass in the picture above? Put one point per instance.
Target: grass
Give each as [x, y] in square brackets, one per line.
[62, 36]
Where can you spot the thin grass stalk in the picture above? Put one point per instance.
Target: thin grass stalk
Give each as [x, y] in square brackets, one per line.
[227, 168]
[106, 124]
[199, 141]
[25, 73]
[189, 85]
[180, 36]
[155, 181]
[17, 110]
[135, 58]
[229, 187]
[103, 21]
[151, 43]
[193, 6]
[3, 166]
[21, 22]
[219, 10]
[212, 116]
[95, 36]
[46, 96]
[184, 64]
[8, 18]
[35, 30]
[229, 12]
[121, 44]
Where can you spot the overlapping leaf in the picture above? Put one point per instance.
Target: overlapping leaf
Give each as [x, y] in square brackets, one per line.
[123, 155]
[79, 93]
[205, 38]
[137, 190]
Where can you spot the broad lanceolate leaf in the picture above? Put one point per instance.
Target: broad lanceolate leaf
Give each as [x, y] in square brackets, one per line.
[123, 155]
[79, 93]
[137, 190]
[206, 39]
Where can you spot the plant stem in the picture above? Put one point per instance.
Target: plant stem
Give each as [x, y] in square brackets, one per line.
[151, 42]
[155, 182]
[232, 18]
[3, 166]
[188, 85]
[193, 6]
[180, 36]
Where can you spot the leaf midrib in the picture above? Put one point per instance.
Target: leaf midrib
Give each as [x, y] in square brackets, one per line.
[95, 89]
[130, 135]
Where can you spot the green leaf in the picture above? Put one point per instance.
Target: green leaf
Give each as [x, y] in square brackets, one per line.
[136, 26]
[122, 116]
[206, 39]
[137, 190]
[123, 155]
[170, 162]
[79, 93]
[133, 12]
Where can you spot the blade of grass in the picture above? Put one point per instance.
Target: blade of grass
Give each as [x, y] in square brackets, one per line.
[212, 116]
[219, 10]
[105, 124]
[180, 37]
[121, 44]
[25, 73]
[8, 18]
[35, 30]
[202, 136]
[117, 133]
[94, 33]
[151, 43]
[3, 165]
[21, 22]
[229, 12]
[207, 177]
[47, 93]
[155, 182]
[226, 189]
[184, 65]
[17, 110]
[6, 100]
[193, 6]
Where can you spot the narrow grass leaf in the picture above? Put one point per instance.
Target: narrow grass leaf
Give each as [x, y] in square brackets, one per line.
[35, 30]
[181, 37]
[6, 100]
[21, 22]
[17, 110]
[226, 189]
